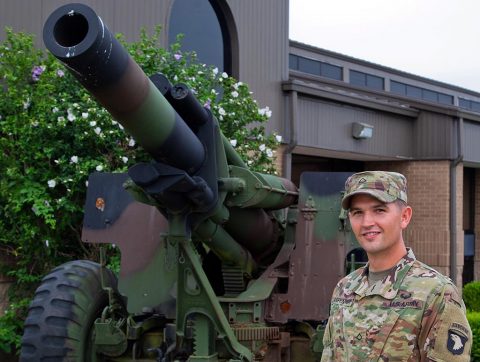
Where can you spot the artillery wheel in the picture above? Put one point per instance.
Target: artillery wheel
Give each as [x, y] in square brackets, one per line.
[61, 316]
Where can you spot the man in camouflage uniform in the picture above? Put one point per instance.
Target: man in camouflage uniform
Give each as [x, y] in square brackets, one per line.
[395, 308]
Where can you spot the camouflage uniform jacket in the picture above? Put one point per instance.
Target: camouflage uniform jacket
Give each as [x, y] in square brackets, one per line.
[413, 314]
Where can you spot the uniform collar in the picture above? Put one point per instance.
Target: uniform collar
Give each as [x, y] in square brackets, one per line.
[388, 286]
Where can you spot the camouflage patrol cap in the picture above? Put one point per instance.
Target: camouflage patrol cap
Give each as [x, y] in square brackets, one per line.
[384, 186]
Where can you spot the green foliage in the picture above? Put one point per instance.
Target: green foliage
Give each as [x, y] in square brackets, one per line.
[474, 321]
[471, 296]
[53, 135]
[12, 322]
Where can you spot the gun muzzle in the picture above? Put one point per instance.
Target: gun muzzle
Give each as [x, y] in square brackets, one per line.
[78, 37]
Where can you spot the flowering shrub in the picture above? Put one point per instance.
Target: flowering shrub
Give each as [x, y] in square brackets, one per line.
[53, 135]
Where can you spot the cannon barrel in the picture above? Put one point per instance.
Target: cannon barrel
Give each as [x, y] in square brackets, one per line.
[78, 37]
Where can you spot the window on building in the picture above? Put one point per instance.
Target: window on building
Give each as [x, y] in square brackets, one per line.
[315, 67]
[468, 104]
[420, 93]
[331, 71]
[366, 80]
[203, 32]
[309, 66]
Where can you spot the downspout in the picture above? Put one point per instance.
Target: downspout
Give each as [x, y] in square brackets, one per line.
[453, 201]
[287, 154]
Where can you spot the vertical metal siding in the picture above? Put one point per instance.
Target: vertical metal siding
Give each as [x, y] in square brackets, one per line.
[121, 16]
[329, 126]
[434, 136]
[263, 48]
[472, 141]
[21, 16]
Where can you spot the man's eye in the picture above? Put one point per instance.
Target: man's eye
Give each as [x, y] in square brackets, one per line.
[380, 211]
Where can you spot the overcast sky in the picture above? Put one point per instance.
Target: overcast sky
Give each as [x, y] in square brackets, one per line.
[437, 39]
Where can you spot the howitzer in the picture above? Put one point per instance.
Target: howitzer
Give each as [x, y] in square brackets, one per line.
[218, 262]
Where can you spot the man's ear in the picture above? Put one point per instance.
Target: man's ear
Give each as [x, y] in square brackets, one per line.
[406, 216]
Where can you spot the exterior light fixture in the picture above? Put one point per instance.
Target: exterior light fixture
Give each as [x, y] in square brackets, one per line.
[362, 130]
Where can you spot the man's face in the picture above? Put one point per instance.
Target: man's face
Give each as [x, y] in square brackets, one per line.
[376, 225]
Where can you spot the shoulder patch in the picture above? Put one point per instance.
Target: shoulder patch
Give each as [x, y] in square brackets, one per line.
[456, 342]
[453, 338]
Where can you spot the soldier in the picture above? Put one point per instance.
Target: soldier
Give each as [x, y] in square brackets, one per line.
[395, 308]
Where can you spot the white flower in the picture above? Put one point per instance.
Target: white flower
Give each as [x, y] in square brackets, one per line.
[99, 168]
[125, 159]
[269, 152]
[47, 243]
[265, 112]
[54, 110]
[175, 78]
[93, 123]
[221, 111]
[26, 104]
[215, 71]
[52, 183]
[278, 138]
[56, 161]
[71, 117]
[238, 84]
[98, 130]
[74, 159]
[224, 75]
[233, 142]
[131, 142]
[35, 124]
[234, 94]
[262, 147]
[249, 162]
[61, 119]
[84, 115]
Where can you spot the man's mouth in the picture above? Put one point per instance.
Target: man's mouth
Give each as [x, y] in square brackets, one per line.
[371, 234]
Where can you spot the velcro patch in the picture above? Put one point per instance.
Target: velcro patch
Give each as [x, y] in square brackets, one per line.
[456, 342]
[404, 303]
[343, 301]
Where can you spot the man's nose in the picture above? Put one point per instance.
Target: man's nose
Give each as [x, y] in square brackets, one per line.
[368, 219]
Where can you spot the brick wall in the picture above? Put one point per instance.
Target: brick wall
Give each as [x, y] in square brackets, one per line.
[429, 195]
[279, 159]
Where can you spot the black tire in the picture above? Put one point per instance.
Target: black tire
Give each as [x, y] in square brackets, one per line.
[60, 318]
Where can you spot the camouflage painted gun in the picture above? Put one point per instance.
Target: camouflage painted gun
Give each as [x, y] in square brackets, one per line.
[218, 262]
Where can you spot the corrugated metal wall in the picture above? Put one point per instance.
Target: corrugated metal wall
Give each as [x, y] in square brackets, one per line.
[328, 125]
[471, 142]
[263, 48]
[121, 16]
[434, 136]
